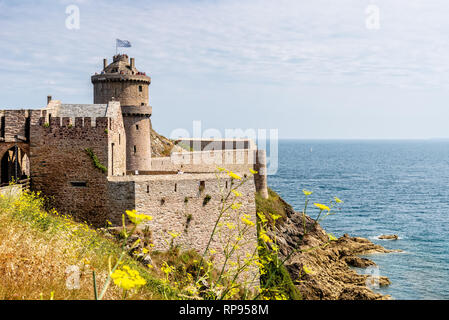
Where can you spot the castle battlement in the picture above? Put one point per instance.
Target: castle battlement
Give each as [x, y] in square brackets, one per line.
[95, 161]
[80, 122]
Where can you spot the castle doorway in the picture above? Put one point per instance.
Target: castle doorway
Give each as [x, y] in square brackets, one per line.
[15, 165]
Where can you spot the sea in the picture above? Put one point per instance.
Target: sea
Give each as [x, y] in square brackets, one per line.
[388, 187]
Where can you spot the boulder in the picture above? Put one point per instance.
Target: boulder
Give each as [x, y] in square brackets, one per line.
[389, 237]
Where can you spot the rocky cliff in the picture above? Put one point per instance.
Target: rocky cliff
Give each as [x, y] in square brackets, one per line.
[162, 146]
[321, 269]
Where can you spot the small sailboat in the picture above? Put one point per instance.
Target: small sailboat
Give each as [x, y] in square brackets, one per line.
[311, 149]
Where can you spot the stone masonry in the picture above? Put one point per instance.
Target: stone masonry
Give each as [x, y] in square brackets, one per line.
[94, 162]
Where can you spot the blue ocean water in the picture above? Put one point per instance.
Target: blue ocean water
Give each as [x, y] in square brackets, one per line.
[388, 187]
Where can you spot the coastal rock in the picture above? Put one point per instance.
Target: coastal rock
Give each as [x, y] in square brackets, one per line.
[389, 237]
[330, 276]
[358, 262]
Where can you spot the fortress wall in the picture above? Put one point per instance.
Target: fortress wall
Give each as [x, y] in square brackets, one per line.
[176, 203]
[117, 143]
[208, 144]
[121, 197]
[206, 161]
[239, 161]
[61, 168]
[14, 123]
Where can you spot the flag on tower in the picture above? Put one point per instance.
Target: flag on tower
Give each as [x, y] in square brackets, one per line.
[123, 43]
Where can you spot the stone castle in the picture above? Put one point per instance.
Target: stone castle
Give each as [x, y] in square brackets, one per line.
[94, 161]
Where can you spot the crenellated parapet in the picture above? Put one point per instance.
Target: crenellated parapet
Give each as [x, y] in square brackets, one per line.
[75, 123]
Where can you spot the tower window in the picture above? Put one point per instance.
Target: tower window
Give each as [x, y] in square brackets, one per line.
[140, 88]
[142, 104]
[137, 127]
[135, 150]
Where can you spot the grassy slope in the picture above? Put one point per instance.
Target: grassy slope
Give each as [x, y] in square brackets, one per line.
[36, 248]
[281, 280]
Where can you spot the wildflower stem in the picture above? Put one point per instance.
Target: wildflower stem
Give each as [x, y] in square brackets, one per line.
[222, 211]
[95, 285]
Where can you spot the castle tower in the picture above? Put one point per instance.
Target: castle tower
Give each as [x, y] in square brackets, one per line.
[121, 81]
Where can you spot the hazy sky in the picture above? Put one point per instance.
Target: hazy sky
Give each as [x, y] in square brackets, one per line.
[311, 69]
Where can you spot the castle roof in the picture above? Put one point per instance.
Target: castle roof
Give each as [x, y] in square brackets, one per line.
[58, 109]
[82, 110]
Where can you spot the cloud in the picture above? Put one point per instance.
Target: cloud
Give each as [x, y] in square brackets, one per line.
[284, 43]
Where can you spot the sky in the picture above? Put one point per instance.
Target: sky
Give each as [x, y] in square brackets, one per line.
[320, 69]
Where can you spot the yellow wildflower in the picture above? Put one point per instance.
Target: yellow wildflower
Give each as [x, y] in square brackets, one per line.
[167, 269]
[246, 221]
[234, 176]
[230, 226]
[127, 278]
[337, 200]
[306, 192]
[262, 217]
[306, 269]
[137, 218]
[174, 235]
[322, 206]
[236, 193]
[331, 237]
[253, 171]
[264, 237]
[236, 206]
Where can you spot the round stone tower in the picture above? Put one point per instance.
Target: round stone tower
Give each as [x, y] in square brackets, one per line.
[121, 81]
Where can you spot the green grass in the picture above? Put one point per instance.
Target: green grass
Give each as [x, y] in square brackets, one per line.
[277, 276]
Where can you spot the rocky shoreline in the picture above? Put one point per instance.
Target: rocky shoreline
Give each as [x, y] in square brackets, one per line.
[322, 270]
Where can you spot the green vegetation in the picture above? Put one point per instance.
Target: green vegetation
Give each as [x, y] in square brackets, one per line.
[47, 255]
[95, 160]
[281, 284]
[275, 279]
[206, 199]
[273, 205]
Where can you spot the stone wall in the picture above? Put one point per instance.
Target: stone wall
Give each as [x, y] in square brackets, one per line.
[61, 168]
[239, 160]
[128, 93]
[117, 141]
[177, 204]
[14, 124]
[207, 144]
[138, 141]
[206, 161]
